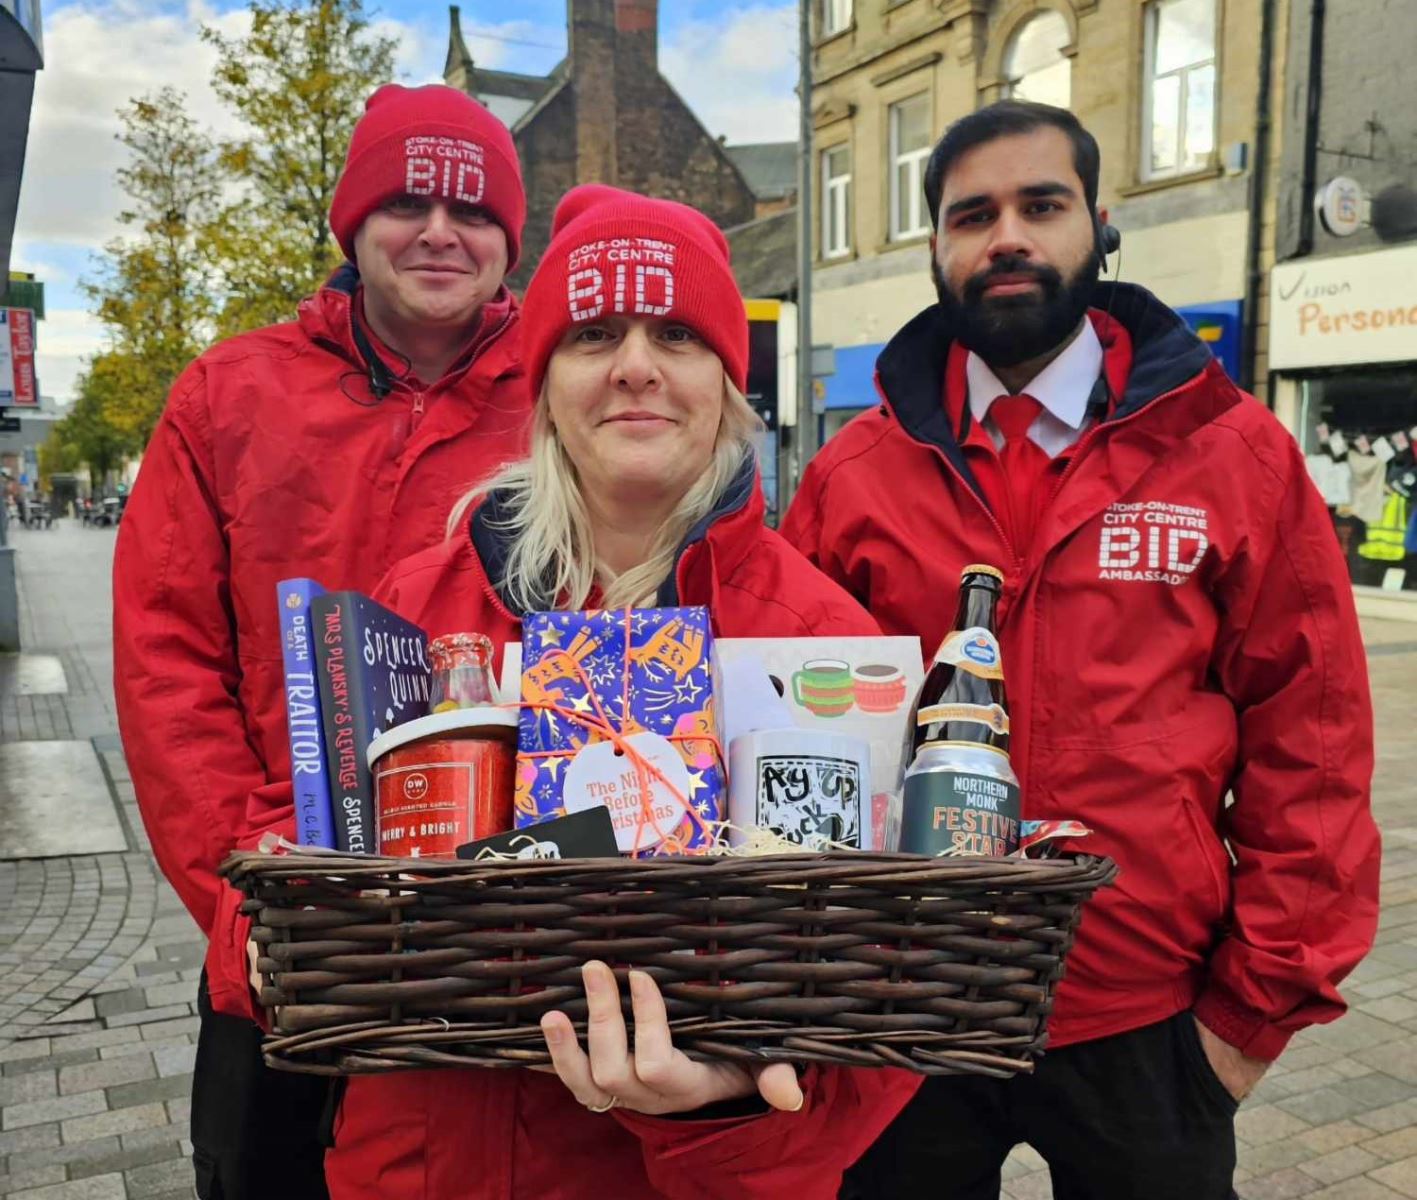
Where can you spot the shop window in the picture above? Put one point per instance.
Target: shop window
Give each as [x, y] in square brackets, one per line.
[1357, 429]
[909, 150]
[836, 16]
[1178, 96]
[836, 202]
[1035, 67]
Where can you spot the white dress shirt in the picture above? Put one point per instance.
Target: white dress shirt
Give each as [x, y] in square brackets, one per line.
[1062, 388]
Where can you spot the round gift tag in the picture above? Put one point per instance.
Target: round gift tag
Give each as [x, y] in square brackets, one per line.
[600, 776]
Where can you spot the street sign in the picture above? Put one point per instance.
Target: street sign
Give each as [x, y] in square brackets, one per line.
[17, 385]
[1340, 205]
[9, 424]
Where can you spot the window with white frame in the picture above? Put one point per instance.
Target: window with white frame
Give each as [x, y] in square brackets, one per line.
[836, 202]
[836, 16]
[1178, 118]
[1035, 67]
[909, 150]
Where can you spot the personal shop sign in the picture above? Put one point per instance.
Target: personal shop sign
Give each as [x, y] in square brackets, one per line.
[1360, 308]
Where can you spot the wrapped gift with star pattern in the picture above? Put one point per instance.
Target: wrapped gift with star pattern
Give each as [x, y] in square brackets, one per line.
[618, 710]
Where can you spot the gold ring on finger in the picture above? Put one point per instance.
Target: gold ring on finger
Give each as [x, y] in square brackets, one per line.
[606, 1107]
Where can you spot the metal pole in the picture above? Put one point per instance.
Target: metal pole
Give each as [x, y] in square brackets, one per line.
[805, 439]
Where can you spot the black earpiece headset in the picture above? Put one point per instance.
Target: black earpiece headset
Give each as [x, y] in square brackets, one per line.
[1108, 239]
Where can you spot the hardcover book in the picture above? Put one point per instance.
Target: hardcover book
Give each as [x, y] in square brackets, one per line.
[309, 771]
[374, 674]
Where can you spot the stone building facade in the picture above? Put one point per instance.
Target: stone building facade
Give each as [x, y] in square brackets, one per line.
[604, 114]
[1343, 334]
[1170, 88]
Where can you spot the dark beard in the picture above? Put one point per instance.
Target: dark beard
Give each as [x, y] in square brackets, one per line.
[1013, 329]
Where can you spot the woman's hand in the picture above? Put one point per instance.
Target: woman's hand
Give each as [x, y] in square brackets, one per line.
[654, 1077]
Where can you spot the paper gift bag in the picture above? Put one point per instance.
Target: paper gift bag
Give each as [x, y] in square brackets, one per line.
[860, 686]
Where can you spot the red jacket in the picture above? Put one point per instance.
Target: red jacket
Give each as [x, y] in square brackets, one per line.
[1182, 627]
[504, 1134]
[273, 458]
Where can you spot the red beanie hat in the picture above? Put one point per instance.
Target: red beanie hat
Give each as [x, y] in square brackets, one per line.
[618, 253]
[429, 141]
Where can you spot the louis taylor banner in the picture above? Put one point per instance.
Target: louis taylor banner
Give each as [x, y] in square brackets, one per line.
[17, 382]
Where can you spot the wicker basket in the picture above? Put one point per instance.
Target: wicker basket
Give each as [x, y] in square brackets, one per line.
[936, 965]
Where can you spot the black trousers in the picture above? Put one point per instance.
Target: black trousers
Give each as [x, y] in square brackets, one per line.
[257, 1134]
[1138, 1116]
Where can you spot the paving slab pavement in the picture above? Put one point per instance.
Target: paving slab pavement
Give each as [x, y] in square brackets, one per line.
[98, 959]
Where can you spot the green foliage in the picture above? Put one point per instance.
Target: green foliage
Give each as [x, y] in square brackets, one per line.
[298, 81]
[221, 237]
[57, 457]
[88, 433]
[153, 290]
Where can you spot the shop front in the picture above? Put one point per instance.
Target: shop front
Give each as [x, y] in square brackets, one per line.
[849, 390]
[1343, 345]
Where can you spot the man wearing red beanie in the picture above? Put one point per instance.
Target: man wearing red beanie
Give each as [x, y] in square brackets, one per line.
[328, 447]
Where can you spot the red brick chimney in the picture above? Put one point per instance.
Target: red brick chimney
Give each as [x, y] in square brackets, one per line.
[637, 29]
[613, 51]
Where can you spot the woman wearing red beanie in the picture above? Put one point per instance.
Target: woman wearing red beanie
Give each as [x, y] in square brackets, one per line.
[641, 488]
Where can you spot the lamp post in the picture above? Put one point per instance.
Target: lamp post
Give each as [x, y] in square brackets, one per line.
[805, 433]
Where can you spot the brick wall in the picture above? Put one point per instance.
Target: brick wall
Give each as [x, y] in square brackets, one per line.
[618, 121]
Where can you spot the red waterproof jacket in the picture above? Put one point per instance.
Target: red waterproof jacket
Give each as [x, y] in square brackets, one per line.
[274, 458]
[518, 1135]
[1181, 627]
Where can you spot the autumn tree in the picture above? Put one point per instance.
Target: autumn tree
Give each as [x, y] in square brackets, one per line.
[154, 287]
[297, 81]
[223, 237]
[87, 433]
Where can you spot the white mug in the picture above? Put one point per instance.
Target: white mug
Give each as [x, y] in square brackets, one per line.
[802, 783]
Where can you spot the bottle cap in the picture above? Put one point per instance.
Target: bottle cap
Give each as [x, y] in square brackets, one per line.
[982, 569]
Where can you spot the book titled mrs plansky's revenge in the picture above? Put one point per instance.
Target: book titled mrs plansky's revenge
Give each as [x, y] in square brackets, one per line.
[373, 669]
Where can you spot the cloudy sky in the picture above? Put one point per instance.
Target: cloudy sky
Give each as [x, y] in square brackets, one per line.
[734, 62]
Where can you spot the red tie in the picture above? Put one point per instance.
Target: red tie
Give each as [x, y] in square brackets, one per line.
[1025, 463]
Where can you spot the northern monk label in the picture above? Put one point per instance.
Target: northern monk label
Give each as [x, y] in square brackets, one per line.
[959, 812]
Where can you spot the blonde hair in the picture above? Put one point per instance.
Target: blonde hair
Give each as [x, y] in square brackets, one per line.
[552, 561]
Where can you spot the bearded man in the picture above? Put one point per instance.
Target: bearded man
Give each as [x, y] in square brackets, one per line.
[1186, 674]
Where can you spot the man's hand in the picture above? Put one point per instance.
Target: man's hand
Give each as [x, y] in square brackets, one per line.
[654, 1077]
[1238, 1072]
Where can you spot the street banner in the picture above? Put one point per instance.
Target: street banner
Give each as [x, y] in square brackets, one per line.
[17, 382]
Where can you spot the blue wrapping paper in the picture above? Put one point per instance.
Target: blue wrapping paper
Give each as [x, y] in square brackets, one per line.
[645, 671]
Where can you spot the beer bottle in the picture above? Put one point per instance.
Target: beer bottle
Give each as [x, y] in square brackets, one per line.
[962, 698]
[961, 794]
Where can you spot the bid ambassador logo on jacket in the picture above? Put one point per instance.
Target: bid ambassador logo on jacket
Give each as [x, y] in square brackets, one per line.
[633, 276]
[1152, 541]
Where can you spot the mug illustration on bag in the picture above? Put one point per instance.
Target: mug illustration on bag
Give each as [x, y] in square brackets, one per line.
[824, 687]
[878, 688]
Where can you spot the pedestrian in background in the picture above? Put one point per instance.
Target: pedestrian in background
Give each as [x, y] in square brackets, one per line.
[328, 447]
